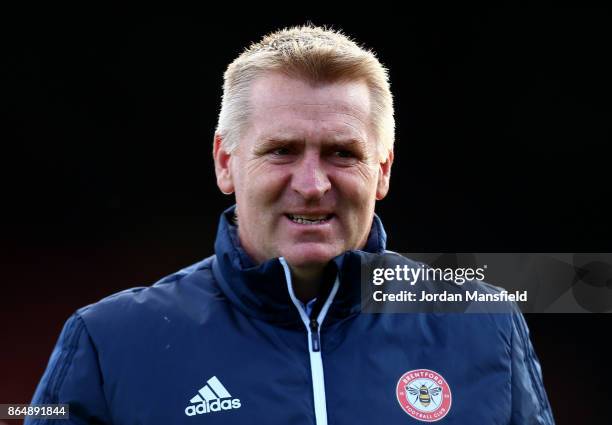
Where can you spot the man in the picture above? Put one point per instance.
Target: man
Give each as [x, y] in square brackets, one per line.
[268, 330]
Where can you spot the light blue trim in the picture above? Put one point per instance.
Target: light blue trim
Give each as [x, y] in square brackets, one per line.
[316, 362]
[327, 304]
[298, 304]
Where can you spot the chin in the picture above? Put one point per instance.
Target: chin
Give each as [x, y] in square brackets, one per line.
[311, 256]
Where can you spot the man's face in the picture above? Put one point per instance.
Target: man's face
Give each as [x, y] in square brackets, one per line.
[306, 173]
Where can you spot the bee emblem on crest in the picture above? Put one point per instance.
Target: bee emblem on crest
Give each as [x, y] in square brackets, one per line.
[424, 394]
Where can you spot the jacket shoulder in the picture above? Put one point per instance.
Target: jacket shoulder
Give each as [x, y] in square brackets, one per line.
[174, 294]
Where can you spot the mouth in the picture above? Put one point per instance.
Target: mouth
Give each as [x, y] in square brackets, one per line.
[310, 219]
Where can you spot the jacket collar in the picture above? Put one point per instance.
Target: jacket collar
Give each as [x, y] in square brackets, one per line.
[260, 291]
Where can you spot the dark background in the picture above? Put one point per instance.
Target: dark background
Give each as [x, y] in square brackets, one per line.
[503, 126]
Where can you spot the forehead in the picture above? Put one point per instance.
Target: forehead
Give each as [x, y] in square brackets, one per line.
[283, 104]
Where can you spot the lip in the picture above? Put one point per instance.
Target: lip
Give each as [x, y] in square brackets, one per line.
[311, 227]
[310, 212]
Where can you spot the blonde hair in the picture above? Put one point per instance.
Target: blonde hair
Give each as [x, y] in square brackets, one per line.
[313, 53]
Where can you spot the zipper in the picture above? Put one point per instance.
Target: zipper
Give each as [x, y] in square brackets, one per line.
[314, 335]
[313, 327]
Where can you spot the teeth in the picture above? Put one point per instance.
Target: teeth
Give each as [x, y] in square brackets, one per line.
[309, 219]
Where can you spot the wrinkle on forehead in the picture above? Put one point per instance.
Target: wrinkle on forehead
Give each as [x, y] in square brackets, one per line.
[289, 108]
[275, 90]
[337, 107]
[313, 129]
[349, 112]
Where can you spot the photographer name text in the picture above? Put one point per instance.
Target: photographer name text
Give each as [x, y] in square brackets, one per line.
[446, 296]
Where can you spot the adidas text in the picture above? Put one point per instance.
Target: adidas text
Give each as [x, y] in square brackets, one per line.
[214, 406]
[212, 397]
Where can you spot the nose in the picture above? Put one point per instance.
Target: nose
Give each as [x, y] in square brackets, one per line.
[309, 178]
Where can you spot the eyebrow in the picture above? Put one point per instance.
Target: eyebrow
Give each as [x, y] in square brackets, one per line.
[261, 146]
[268, 142]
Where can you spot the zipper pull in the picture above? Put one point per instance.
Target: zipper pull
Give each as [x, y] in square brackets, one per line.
[314, 333]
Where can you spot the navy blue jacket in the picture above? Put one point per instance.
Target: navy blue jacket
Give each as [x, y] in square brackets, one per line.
[224, 341]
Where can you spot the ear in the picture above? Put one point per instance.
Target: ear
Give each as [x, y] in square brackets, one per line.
[222, 158]
[384, 174]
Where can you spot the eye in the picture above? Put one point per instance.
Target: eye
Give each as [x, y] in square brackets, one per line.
[280, 151]
[344, 157]
[344, 154]
[280, 154]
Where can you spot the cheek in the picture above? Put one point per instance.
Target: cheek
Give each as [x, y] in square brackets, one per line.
[261, 185]
[357, 186]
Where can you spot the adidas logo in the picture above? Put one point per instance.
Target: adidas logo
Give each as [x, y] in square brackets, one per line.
[212, 397]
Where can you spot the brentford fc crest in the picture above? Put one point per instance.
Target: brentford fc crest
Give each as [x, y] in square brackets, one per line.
[424, 395]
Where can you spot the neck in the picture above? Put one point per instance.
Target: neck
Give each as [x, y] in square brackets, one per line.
[307, 282]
